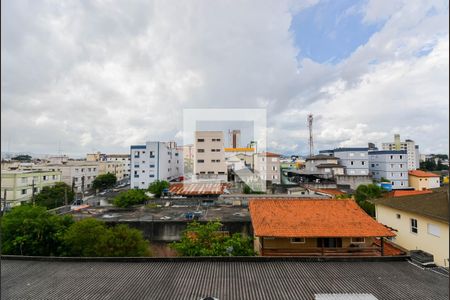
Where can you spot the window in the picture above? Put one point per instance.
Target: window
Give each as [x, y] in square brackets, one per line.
[434, 230]
[221, 173]
[152, 166]
[401, 165]
[89, 169]
[201, 150]
[351, 162]
[357, 240]
[392, 156]
[24, 191]
[200, 161]
[44, 177]
[93, 169]
[274, 168]
[362, 163]
[297, 240]
[151, 175]
[414, 226]
[24, 180]
[210, 172]
[200, 140]
[398, 216]
[373, 165]
[401, 156]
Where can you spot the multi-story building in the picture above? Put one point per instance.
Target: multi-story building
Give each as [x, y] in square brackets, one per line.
[267, 166]
[155, 161]
[409, 146]
[209, 156]
[78, 174]
[19, 184]
[117, 164]
[391, 165]
[354, 160]
[324, 166]
[420, 222]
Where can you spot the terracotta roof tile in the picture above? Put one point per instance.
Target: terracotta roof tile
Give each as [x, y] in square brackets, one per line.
[312, 218]
[419, 173]
[269, 154]
[400, 193]
[197, 188]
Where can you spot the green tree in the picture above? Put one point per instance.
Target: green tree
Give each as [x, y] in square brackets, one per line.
[31, 230]
[54, 196]
[130, 197]
[104, 181]
[207, 240]
[248, 190]
[92, 238]
[157, 187]
[368, 192]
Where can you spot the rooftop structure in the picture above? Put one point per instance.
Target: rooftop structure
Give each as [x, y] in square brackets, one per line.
[222, 278]
[197, 189]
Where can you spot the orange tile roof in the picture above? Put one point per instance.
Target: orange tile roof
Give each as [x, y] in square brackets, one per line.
[419, 173]
[197, 188]
[332, 192]
[400, 193]
[269, 154]
[389, 249]
[312, 218]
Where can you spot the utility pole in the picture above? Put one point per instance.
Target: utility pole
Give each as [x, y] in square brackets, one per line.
[311, 142]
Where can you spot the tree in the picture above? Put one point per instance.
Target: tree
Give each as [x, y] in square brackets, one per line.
[22, 158]
[249, 190]
[130, 197]
[31, 230]
[91, 238]
[54, 196]
[104, 181]
[207, 240]
[157, 187]
[367, 192]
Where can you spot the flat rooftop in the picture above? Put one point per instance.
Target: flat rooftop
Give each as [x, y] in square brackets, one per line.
[191, 279]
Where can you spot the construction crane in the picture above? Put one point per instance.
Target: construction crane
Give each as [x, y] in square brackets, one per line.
[311, 142]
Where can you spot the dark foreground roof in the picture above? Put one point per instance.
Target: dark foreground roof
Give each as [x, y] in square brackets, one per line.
[271, 279]
[434, 205]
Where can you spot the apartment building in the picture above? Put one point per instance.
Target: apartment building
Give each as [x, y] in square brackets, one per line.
[78, 174]
[391, 165]
[155, 161]
[354, 160]
[19, 184]
[209, 156]
[267, 166]
[409, 146]
[117, 164]
[323, 165]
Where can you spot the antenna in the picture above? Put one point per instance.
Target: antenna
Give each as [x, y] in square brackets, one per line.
[311, 142]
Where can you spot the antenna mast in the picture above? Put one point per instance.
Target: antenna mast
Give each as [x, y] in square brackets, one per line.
[311, 142]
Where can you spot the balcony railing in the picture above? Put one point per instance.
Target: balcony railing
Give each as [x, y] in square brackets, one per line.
[348, 251]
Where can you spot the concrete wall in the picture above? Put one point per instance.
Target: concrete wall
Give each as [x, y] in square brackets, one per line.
[353, 181]
[422, 240]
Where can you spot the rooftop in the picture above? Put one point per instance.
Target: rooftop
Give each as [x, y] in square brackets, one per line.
[402, 193]
[329, 166]
[321, 157]
[269, 154]
[434, 205]
[419, 173]
[189, 189]
[313, 218]
[190, 279]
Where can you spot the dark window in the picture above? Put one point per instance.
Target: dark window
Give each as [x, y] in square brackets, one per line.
[200, 160]
[200, 140]
[414, 226]
[200, 150]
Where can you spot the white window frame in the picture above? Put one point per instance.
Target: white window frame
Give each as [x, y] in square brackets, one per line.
[355, 242]
[303, 240]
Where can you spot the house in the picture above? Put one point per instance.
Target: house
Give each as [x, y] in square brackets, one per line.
[315, 227]
[391, 165]
[209, 156]
[324, 166]
[421, 180]
[155, 161]
[421, 222]
[412, 151]
[267, 166]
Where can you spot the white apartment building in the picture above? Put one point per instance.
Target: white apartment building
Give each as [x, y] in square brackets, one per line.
[391, 165]
[411, 148]
[209, 156]
[354, 160]
[267, 166]
[155, 161]
[79, 174]
[19, 184]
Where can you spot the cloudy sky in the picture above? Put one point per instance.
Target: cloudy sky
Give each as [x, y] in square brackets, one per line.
[90, 75]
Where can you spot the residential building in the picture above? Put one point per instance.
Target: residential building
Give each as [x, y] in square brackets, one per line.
[188, 157]
[323, 165]
[267, 166]
[155, 161]
[354, 160]
[313, 227]
[421, 180]
[391, 165]
[409, 146]
[421, 222]
[19, 184]
[209, 157]
[78, 174]
[117, 164]
[239, 158]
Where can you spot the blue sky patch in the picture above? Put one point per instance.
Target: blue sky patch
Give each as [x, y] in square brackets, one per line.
[331, 30]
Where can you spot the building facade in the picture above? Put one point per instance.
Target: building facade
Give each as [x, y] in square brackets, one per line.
[209, 156]
[78, 174]
[117, 164]
[421, 180]
[19, 184]
[323, 165]
[391, 165]
[354, 160]
[409, 146]
[155, 161]
[267, 166]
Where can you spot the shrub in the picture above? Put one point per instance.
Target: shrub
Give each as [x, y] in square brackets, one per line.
[130, 197]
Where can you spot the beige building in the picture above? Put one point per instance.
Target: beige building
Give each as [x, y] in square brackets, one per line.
[267, 166]
[19, 184]
[420, 222]
[209, 156]
[421, 180]
[117, 164]
[80, 174]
